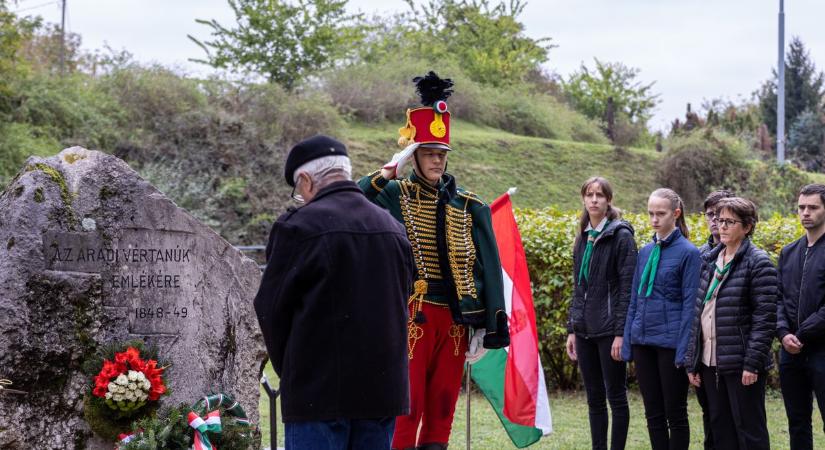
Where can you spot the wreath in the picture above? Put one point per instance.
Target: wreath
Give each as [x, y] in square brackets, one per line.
[198, 427]
[126, 383]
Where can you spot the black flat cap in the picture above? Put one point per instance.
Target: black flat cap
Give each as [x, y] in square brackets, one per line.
[309, 149]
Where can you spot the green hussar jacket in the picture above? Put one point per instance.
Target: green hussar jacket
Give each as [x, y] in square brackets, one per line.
[454, 249]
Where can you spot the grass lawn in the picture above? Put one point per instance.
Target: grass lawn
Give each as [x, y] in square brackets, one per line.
[571, 429]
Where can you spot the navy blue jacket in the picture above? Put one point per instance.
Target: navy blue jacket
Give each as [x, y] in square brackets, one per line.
[664, 318]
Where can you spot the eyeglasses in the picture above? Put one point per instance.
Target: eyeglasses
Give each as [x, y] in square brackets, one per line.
[297, 197]
[710, 215]
[727, 222]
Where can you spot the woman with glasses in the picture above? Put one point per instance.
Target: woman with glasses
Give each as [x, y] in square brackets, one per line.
[658, 321]
[734, 321]
[604, 257]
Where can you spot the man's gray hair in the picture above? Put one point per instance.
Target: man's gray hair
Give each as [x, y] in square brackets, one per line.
[336, 166]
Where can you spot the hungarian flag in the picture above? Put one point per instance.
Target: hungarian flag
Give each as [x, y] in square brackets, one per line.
[512, 378]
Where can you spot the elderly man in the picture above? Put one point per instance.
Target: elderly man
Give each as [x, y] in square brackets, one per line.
[459, 282]
[332, 307]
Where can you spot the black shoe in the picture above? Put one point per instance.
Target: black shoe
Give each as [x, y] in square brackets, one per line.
[432, 446]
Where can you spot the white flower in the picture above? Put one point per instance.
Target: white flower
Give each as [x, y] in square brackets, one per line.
[131, 386]
[132, 375]
[108, 396]
[130, 396]
[147, 385]
[141, 376]
[112, 387]
[122, 380]
[117, 397]
[143, 396]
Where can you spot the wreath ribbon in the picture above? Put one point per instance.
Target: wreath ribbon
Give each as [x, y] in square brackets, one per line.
[201, 426]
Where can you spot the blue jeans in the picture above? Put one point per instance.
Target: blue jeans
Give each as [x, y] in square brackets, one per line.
[802, 376]
[340, 434]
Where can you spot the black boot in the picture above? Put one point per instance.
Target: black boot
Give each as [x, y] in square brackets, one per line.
[433, 446]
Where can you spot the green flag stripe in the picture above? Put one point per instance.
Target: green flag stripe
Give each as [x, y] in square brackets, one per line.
[488, 374]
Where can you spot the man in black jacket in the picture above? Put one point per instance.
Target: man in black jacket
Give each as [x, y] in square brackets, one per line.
[332, 307]
[801, 319]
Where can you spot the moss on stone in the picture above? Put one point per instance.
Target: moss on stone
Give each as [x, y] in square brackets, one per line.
[10, 244]
[71, 158]
[106, 193]
[38, 195]
[66, 213]
[57, 178]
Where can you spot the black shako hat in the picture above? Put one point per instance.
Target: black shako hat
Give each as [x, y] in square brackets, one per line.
[309, 149]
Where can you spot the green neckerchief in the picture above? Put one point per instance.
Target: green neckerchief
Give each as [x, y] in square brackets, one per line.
[584, 270]
[718, 276]
[651, 266]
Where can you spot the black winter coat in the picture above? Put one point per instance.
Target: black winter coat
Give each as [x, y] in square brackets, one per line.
[599, 304]
[801, 308]
[333, 308]
[745, 312]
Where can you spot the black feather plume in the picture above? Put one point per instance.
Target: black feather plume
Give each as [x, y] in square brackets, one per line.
[432, 89]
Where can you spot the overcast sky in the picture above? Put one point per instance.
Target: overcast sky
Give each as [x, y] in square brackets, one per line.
[693, 50]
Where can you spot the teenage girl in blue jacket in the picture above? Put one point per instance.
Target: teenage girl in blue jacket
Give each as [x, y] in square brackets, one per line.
[658, 321]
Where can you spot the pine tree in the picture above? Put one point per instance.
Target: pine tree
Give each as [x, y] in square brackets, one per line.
[803, 87]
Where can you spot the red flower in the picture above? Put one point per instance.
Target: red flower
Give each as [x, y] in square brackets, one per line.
[110, 369]
[154, 375]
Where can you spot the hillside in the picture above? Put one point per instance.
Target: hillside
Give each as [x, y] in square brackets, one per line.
[547, 172]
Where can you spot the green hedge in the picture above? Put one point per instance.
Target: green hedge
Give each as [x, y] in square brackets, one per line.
[548, 236]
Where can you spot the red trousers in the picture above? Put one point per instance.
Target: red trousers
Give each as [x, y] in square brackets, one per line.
[437, 364]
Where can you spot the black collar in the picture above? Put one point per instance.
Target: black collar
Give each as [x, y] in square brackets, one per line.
[445, 187]
[336, 186]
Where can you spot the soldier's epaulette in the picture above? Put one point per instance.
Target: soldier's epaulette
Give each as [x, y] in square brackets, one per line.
[471, 196]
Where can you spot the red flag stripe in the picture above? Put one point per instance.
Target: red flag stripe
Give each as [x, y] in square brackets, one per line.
[521, 373]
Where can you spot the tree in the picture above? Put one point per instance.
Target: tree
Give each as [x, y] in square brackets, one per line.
[590, 92]
[14, 32]
[285, 41]
[487, 41]
[807, 140]
[803, 87]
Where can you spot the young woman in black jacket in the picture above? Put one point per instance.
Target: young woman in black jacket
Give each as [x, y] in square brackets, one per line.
[735, 318]
[604, 257]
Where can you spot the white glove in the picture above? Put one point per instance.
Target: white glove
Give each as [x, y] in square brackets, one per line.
[401, 158]
[477, 350]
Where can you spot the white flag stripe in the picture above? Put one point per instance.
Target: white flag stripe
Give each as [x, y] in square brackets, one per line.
[508, 292]
[544, 421]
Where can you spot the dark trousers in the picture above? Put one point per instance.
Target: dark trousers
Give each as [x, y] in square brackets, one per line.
[737, 412]
[604, 379]
[802, 376]
[702, 398]
[664, 390]
[340, 434]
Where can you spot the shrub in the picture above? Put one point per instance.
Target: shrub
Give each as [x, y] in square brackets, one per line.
[18, 141]
[548, 235]
[700, 162]
[380, 91]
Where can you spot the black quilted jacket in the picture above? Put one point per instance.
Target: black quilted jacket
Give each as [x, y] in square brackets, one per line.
[599, 306]
[745, 312]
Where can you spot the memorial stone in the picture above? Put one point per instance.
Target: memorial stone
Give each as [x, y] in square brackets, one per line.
[90, 254]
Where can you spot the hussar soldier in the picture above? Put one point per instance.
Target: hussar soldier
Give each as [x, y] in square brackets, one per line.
[458, 287]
